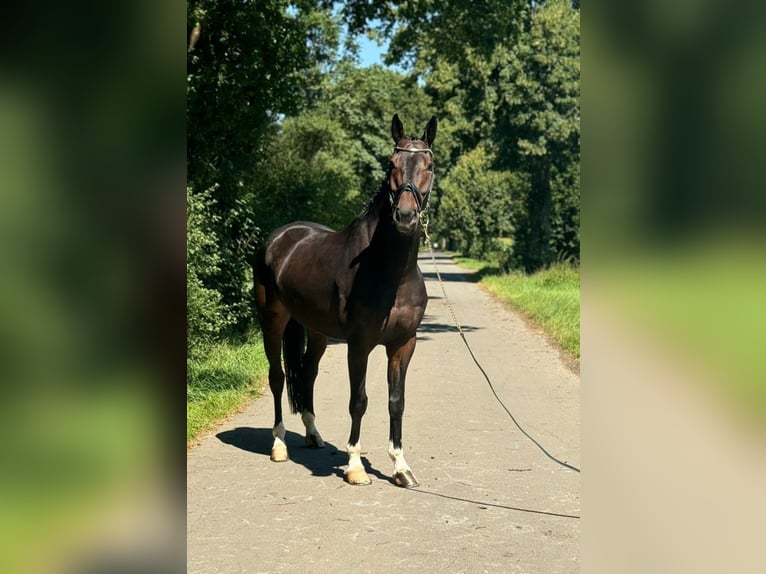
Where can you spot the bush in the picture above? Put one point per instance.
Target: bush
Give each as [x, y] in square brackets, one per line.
[206, 315]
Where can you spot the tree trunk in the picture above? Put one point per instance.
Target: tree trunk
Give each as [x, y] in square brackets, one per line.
[538, 253]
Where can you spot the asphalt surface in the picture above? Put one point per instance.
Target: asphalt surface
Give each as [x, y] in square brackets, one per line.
[489, 499]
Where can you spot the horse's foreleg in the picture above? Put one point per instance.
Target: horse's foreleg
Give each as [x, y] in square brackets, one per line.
[398, 361]
[357, 406]
[317, 343]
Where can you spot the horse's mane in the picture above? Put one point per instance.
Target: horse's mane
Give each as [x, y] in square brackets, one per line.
[373, 201]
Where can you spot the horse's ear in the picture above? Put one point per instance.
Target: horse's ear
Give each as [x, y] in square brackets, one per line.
[429, 135]
[397, 129]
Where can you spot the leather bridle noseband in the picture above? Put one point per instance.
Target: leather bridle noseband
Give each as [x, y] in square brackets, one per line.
[409, 186]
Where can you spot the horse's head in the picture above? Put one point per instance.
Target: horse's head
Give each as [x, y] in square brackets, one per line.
[410, 175]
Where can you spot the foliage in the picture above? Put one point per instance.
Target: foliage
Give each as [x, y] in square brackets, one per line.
[537, 125]
[206, 316]
[305, 178]
[327, 162]
[420, 29]
[565, 217]
[251, 63]
[477, 203]
[510, 83]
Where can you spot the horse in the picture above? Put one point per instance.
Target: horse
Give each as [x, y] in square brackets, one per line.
[361, 285]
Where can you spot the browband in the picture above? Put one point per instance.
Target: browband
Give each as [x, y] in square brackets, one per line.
[414, 150]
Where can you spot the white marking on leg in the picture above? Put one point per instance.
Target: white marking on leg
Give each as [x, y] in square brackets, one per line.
[311, 429]
[397, 455]
[279, 448]
[355, 473]
[278, 432]
[354, 456]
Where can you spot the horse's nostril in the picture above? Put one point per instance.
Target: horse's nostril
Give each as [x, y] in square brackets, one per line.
[405, 215]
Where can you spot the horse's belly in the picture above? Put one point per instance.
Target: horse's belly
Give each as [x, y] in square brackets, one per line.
[313, 309]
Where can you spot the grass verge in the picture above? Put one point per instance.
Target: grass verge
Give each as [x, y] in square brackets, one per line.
[220, 379]
[550, 298]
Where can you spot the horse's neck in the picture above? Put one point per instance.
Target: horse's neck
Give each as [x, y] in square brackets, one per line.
[397, 252]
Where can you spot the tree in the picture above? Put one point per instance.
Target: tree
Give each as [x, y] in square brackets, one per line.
[504, 75]
[206, 316]
[333, 157]
[535, 89]
[422, 30]
[477, 203]
[248, 64]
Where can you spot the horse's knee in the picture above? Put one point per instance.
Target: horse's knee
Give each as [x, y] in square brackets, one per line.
[396, 408]
[357, 406]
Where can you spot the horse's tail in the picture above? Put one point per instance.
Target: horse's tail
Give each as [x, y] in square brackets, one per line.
[293, 344]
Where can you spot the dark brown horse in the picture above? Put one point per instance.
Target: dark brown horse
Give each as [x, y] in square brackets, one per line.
[362, 285]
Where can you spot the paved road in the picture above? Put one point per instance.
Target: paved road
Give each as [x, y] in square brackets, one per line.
[489, 500]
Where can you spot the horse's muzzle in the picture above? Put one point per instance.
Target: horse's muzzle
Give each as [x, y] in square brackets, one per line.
[406, 220]
[406, 202]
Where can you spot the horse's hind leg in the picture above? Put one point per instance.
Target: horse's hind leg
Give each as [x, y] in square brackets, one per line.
[317, 343]
[273, 318]
[272, 343]
[398, 361]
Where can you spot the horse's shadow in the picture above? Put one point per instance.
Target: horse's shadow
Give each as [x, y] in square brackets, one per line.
[325, 461]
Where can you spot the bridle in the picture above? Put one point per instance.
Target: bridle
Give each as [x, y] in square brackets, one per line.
[409, 186]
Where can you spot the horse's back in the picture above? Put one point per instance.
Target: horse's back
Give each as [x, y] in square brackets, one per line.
[297, 266]
[285, 241]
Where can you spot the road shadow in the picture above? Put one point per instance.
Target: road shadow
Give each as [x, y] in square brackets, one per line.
[461, 276]
[451, 276]
[426, 256]
[435, 328]
[430, 327]
[325, 461]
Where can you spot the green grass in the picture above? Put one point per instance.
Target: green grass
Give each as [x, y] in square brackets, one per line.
[550, 298]
[220, 380]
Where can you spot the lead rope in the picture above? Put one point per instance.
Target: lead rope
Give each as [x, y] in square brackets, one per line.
[424, 225]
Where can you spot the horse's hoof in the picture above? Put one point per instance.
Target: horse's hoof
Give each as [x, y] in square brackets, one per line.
[314, 441]
[279, 454]
[406, 479]
[357, 477]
